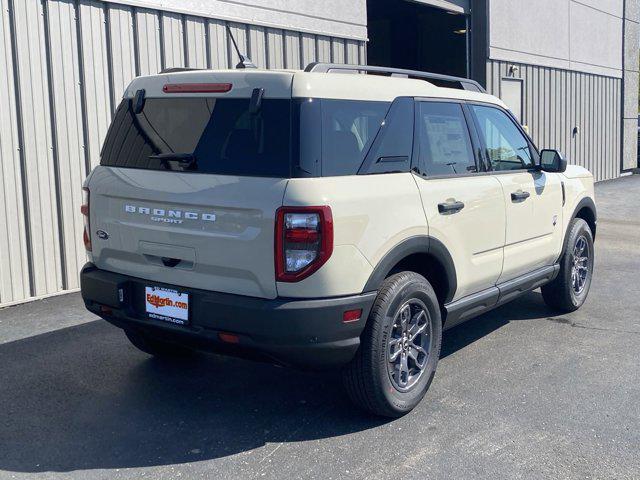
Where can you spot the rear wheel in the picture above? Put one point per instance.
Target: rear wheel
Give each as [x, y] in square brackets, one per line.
[569, 290]
[153, 346]
[399, 349]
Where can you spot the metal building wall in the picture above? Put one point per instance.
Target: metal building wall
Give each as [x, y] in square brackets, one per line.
[556, 101]
[65, 64]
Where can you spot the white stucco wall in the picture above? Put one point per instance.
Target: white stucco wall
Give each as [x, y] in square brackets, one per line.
[583, 35]
[342, 18]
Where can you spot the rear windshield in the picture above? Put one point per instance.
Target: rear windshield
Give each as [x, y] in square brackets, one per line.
[205, 135]
[284, 138]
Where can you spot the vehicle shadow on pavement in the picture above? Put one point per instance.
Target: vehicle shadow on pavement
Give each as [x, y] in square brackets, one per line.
[82, 398]
[530, 306]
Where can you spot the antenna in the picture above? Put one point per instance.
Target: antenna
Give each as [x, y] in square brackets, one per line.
[245, 62]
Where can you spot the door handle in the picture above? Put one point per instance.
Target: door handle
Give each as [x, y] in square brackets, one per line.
[449, 208]
[519, 196]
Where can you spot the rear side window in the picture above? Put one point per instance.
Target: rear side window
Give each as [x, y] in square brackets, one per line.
[392, 149]
[348, 130]
[445, 146]
[206, 135]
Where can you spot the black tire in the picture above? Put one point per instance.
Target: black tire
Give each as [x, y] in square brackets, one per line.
[158, 348]
[368, 380]
[562, 294]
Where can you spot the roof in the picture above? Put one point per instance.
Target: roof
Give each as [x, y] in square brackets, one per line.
[354, 86]
[299, 84]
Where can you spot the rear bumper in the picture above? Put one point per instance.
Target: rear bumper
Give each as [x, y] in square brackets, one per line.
[297, 332]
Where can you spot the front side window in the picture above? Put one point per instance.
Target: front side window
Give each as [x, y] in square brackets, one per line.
[445, 146]
[507, 147]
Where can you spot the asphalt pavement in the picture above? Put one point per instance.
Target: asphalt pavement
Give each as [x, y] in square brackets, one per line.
[520, 392]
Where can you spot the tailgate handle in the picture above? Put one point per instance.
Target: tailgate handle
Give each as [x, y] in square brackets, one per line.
[170, 256]
[170, 262]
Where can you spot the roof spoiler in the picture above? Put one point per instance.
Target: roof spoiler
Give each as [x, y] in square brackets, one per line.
[179, 69]
[437, 78]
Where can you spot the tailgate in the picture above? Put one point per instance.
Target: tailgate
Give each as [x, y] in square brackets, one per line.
[212, 232]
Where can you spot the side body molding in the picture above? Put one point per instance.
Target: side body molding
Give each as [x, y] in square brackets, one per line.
[473, 305]
[410, 246]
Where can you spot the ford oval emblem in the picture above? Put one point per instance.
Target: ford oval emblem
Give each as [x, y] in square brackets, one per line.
[102, 234]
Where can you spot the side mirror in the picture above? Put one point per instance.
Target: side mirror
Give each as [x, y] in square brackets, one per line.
[552, 161]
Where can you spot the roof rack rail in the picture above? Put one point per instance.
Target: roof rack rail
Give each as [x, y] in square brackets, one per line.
[463, 83]
[179, 69]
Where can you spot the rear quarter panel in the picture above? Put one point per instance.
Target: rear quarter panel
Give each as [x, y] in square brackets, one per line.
[371, 214]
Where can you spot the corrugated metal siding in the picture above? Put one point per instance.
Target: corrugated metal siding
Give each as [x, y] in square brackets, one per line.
[275, 48]
[68, 127]
[14, 267]
[95, 81]
[556, 101]
[121, 51]
[310, 48]
[196, 44]
[218, 48]
[257, 46]
[337, 50]
[173, 44]
[292, 45]
[65, 66]
[324, 52]
[38, 167]
[148, 41]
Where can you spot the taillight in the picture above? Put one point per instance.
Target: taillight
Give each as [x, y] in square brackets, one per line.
[304, 241]
[84, 209]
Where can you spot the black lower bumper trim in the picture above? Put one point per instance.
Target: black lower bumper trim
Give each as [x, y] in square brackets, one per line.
[306, 333]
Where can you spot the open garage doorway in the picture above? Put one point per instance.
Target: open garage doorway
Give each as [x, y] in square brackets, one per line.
[410, 34]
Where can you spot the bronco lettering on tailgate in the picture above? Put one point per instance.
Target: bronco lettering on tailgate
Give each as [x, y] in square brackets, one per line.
[169, 216]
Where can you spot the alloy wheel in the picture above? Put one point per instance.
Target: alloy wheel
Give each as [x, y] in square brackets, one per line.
[409, 345]
[580, 265]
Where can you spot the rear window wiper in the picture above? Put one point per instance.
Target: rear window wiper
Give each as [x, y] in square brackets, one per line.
[176, 161]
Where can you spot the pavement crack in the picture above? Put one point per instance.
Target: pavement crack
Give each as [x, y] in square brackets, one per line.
[566, 321]
[287, 439]
[271, 452]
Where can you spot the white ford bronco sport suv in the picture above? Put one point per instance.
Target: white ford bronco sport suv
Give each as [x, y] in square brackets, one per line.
[338, 217]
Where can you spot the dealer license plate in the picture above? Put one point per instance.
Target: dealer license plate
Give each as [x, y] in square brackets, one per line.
[167, 305]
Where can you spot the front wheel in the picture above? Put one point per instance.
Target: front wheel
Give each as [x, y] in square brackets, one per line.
[399, 349]
[569, 290]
